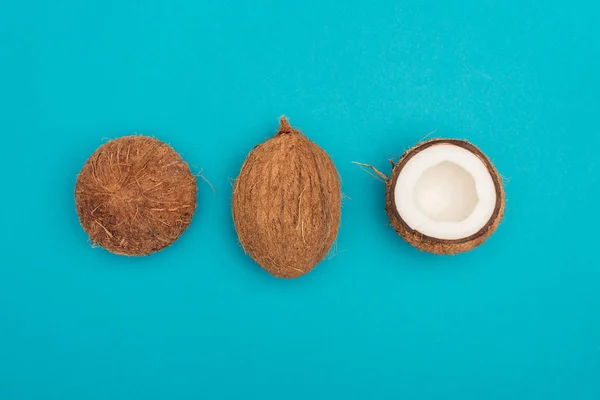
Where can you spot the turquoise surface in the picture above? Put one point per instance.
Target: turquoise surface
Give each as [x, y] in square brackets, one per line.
[518, 318]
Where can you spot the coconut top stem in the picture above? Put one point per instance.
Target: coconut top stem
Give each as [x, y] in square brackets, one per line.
[284, 127]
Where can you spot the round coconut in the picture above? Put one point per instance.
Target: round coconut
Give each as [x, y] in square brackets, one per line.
[135, 195]
[444, 196]
[286, 203]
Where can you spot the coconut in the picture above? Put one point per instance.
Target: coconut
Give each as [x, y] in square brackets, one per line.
[135, 195]
[444, 196]
[286, 203]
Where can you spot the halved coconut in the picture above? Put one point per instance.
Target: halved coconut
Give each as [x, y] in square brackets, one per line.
[444, 196]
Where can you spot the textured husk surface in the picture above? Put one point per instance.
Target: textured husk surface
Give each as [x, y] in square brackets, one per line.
[286, 203]
[135, 195]
[431, 244]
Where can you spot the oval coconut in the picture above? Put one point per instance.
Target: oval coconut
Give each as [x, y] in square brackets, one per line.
[135, 195]
[442, 184]
[286, 203]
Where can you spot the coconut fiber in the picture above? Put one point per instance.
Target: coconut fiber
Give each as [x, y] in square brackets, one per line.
[286, 203]
[135, 195]
[431, 244]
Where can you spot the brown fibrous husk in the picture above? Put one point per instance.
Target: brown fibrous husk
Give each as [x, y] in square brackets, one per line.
[135, 195]
[431, 244]
[286, 203]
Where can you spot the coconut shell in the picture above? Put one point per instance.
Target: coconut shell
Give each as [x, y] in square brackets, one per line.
[286, 203]
[135, 195]
[431, 244]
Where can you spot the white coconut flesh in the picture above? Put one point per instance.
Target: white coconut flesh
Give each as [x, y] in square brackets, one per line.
[445, 192]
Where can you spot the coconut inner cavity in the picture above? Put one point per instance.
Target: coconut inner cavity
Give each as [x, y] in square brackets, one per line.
[445, 192]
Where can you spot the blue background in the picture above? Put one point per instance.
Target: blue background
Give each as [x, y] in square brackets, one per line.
[516, 318]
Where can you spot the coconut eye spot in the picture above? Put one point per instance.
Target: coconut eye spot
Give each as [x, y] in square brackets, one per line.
[446, 193]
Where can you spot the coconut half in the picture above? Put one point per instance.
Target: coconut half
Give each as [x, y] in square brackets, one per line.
[444, 196]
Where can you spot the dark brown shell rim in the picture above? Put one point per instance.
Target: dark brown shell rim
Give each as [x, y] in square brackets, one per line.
[467, 146]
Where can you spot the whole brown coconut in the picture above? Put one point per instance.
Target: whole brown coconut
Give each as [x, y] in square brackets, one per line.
[286, 203]
[135, 195]
[439, 245]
